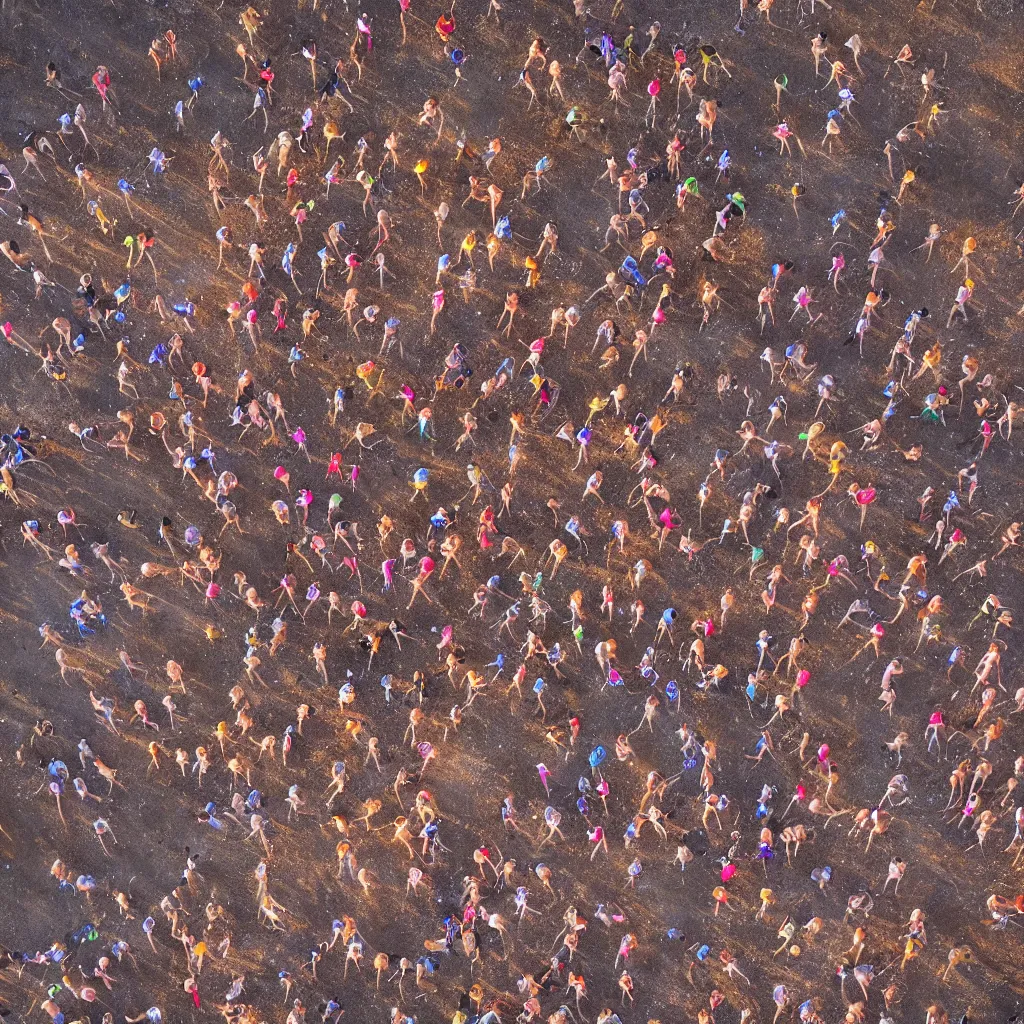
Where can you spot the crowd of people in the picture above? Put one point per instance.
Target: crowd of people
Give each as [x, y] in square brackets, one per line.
[660, 688]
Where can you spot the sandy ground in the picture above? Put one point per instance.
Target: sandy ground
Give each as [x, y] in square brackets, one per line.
[966, 170]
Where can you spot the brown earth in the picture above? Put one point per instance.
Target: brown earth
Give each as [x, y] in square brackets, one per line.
[966, 170]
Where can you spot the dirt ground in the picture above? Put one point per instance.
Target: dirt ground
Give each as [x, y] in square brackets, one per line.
[967, 167]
